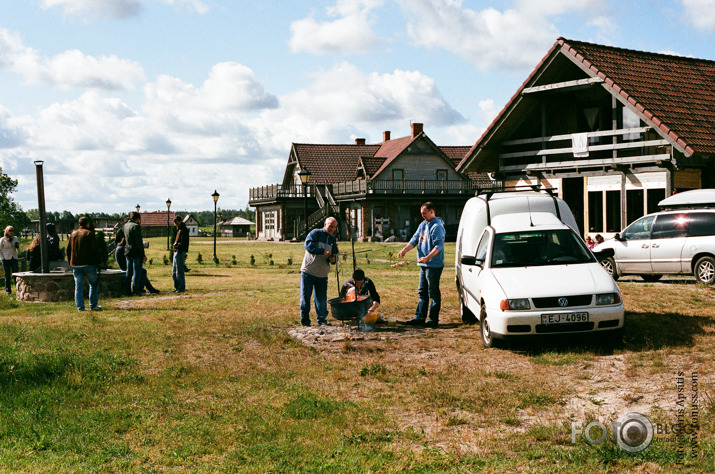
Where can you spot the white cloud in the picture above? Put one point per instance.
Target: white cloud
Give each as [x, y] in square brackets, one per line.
[350, 33]
[69, 69]
[514, 38]
[700, 13]
[119, 9]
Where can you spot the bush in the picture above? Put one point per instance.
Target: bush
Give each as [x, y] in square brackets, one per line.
[166, 260]
[199, 258]
[233, 260]
[253, 261]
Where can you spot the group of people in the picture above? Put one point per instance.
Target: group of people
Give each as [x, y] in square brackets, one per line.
[592, 242]
[85, 259]
[321, 250]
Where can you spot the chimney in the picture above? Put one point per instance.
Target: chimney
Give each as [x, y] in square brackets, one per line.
[386, 136]
[359, 141]
[416, 129]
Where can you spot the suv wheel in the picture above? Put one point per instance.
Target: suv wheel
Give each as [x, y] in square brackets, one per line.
[609, 265]
[705, 270]
[487, 339]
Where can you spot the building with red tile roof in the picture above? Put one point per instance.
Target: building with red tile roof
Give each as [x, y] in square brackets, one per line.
[613, 130]
[376, 189]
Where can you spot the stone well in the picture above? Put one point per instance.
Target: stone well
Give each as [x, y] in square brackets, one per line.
[59, 286]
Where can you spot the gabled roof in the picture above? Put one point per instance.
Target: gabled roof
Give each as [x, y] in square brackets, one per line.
[236, 221]
[157, 219]
[340, 163]
[674, 94]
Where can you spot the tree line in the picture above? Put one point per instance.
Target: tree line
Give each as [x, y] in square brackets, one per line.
[12, 214]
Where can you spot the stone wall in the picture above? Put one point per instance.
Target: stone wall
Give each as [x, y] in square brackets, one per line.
[59, 286]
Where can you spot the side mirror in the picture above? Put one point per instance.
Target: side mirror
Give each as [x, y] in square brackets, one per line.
[618, 237]
[466, 260]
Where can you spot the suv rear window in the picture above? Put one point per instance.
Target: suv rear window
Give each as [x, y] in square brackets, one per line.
[701, 223]
[670, 226]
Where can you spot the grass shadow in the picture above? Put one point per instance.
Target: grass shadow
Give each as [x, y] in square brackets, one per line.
[643, 332]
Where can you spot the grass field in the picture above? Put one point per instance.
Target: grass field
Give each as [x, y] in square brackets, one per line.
[211, 380]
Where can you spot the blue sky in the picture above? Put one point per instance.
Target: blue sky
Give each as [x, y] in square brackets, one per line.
[134, 101]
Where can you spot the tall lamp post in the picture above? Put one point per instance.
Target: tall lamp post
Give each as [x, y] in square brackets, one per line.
[304, 176]
[138, 207]
[168, 223]
[215, 195]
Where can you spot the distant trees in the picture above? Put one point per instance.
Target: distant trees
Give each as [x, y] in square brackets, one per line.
[10, 212]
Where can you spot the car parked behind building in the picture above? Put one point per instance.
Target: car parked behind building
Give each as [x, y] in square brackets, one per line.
[679, 240]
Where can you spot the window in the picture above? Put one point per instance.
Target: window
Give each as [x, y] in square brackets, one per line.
[398, 175]
[441, 175]
[654, 197]
[483, 247]
[670, 226]
[639, 230]
[630, 120]
[595, 211]
[634, 204]
[701, 223]
[613, 211]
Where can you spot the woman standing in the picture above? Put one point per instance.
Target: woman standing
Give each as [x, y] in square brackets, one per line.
[8, 253]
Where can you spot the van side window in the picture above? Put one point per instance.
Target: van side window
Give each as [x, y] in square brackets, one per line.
[701, 224]
[639, 230]
[670, 226]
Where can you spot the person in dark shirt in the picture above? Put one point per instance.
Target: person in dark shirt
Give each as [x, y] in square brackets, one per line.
[359, 287]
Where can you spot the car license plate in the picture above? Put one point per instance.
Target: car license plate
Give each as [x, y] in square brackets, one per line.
[561, 318]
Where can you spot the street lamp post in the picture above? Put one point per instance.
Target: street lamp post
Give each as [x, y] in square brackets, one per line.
[304, 176]
[138, 207]
[168, 223]
[215, 195]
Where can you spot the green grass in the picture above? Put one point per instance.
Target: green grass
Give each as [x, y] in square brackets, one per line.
[212, 381]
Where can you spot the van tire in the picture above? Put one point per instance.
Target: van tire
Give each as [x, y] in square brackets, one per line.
[651, 278]
[705, 270]
[487, 339]
[609, 265]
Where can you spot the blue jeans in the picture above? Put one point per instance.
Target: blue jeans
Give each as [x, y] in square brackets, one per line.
[9, 267]
[90, 273]
[177, 271]
[429, 290]
[135, 275]
[308, 284]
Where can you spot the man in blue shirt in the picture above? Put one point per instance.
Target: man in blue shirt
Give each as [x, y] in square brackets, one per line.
[429, 241]
[320, 251]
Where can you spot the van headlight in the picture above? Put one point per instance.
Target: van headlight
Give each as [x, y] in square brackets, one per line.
[519, 303]
[608, 298]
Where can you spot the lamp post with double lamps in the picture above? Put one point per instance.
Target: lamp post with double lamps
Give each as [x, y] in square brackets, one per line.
[215, 195]
[168, 224]
[304, 176]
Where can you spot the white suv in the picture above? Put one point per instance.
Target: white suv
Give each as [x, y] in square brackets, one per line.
[673, 242]
[524, 271]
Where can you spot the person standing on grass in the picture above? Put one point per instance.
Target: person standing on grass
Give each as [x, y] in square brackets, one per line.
[84, 258]
[134, 252]
[181, 247]
[320, 251]
[429, 241]
[8, 254]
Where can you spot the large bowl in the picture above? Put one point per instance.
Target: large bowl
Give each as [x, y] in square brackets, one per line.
[347, 311]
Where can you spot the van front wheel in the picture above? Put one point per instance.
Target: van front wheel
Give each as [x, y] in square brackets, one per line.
[487, 338]
[705, 270]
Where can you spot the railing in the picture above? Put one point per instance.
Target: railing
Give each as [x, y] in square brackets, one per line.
[315, 218]
[605, 147]
[276, 191]
[363, 187]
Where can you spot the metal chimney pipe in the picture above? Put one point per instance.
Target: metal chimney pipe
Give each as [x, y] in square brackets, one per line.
[43, 217]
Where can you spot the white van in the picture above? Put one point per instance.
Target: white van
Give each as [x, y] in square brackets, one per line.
[522, 268]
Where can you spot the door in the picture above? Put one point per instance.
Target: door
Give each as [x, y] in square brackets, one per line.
[667, 240]
[573, 195]
[632, 251]
[472, 275]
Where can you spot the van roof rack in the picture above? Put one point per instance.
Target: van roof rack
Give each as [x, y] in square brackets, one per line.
[515, 189]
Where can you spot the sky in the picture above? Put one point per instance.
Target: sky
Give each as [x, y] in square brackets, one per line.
[135, 101]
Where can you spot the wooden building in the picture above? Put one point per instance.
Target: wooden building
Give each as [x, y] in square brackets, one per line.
[613, 130]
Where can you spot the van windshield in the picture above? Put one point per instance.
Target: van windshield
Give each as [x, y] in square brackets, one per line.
[533, 248]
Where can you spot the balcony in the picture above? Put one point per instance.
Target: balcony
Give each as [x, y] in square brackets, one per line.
[362, 188]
